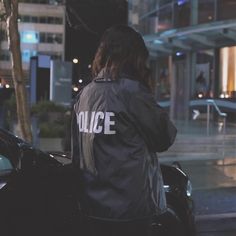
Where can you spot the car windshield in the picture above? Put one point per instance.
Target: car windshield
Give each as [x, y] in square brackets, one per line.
[5, 165]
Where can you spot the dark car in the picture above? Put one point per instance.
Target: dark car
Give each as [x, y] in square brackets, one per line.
[37, 194]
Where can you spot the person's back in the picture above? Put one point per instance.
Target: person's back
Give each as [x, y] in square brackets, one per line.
[117, 129]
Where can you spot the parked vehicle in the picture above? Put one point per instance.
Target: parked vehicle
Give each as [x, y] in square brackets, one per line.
[37, 194]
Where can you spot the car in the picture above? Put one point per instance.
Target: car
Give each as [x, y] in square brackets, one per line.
[37, 193]
[179, 218]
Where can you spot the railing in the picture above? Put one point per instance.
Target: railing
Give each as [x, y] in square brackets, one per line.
[211, 102]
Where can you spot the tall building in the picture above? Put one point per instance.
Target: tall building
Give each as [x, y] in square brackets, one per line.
[41, 26]
[192, 51]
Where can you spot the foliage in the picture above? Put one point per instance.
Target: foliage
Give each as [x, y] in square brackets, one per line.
[47, 106]
[51, 130]
[10, 105]
[51, 119]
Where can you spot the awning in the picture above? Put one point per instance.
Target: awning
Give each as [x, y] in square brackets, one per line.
[199, 37]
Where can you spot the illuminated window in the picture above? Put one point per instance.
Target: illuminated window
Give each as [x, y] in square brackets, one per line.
[228, 71]
[29, 37]
[4, 55]
[26, 54]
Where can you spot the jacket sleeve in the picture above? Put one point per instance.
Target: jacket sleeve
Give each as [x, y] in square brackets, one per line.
[74, 140]
[75, 150]
[152, 121]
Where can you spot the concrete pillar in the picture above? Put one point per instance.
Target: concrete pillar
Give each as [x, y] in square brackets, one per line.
[216, 73]
[188, 83]
[194, 12]
[172, 80]
[192, 78]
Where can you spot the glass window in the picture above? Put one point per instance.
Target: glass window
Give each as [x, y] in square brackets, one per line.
[182, 13]
[34, 19]
[42, 20]
[4, 55]
[3, 35]
[164, 2]
[42, 37]
[58, 20]
[50, 20]
[163, 80]
[25, 19]
[5, 165]
[226, 9]
[203, 81]
[25, 55]
[58, 38]
[206, 11]
[29, 37]
[228, 72]
[164, 16]
[50, 38]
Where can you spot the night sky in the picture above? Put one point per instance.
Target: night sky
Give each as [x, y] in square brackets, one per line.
[86, 22]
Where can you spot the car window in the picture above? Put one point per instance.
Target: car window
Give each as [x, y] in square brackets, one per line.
[5, 165]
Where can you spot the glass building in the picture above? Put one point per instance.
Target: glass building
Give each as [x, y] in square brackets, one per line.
[192, 45]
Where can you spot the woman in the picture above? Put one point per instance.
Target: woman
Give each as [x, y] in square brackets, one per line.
[117, 129]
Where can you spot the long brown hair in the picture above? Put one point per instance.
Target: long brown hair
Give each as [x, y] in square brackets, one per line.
[122, 49]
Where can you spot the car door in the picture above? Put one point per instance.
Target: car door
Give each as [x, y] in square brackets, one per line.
[23, 192]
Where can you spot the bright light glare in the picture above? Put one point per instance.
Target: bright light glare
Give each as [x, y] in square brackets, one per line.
[200, 95]
[7, 86]
[75, 60]
[80, 81]
[75, 89]
[29, 37]
[225, 63]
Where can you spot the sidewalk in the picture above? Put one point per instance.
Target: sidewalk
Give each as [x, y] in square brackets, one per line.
[193, 143]
[210, 163]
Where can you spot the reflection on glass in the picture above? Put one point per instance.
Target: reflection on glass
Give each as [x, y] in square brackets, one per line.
[182, 13]
[164, 16]
[226, 9]
[206, 11]
[228, 72]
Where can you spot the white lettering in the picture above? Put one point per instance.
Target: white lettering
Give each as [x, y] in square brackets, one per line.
[98, 129]
[108, 123]
[91, 122]
[80, 119]
[85, 122]
[96, 122]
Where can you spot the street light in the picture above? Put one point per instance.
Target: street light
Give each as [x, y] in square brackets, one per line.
[75, 60]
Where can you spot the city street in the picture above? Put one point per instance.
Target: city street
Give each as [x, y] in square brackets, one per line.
[210, 163]
[214, 193]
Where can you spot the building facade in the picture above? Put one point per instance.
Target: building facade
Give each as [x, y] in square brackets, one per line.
[41, 26]
[192, 51]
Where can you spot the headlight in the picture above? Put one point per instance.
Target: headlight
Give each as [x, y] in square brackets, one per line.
[166, 188]
[189, 189]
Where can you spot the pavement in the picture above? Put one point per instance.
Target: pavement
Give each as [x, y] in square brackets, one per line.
[210, 163]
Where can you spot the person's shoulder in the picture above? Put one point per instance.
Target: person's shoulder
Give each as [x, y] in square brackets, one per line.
[129, 84]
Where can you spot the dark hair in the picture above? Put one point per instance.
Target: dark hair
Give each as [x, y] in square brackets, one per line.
[122, 49]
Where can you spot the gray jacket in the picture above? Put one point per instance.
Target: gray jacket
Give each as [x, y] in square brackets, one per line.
[116, 131]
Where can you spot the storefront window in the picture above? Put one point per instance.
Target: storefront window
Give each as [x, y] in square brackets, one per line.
[182, 13]
[164, 16]
[226, 9]
[228, 72]
[162, 80]
[203, 81]
[206, 11]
